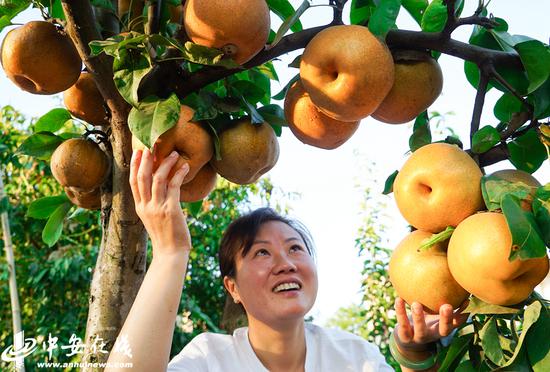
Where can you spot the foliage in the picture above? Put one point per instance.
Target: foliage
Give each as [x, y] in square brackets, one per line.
[373, 319]
[54, 282]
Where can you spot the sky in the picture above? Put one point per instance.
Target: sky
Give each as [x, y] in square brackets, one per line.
[327, 185]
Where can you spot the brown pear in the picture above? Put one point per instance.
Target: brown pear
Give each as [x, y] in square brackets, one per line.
[84, 101]
[40, 58]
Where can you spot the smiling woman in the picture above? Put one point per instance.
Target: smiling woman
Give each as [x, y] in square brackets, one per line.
[268, 269]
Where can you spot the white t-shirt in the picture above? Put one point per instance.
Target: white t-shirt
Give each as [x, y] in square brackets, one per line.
[327, 350]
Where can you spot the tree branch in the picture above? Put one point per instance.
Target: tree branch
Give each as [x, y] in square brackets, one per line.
[496, 154]
[81, 27]
[402, 39]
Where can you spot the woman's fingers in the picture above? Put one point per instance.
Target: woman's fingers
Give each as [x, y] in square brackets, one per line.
[445, 320]
[174, 185]
[419, 323]
[144, 175]
[134, 166]
[404, 331]
[160, 178]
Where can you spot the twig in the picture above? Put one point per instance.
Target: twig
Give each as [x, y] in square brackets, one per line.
[479, 101]
[451, 18]
[498, 77]
[338, 8]
[154, 14]
[517, 120]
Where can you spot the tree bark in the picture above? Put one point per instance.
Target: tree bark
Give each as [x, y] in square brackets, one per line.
[120, 266]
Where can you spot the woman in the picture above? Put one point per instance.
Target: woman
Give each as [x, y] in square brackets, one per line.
[267, 266]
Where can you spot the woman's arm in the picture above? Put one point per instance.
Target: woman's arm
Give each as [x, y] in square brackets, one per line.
[415, 340]
[150, 324]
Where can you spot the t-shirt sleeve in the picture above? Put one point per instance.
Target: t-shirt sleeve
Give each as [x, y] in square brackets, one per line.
[190, 359]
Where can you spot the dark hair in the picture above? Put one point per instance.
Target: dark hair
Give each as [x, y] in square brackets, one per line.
[240, 234]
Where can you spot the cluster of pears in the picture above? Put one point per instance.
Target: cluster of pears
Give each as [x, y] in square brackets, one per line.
[347, 74]
[439, 186]
[40, 58]
[247, 151]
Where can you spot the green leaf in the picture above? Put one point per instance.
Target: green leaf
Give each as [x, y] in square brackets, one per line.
[194, 208]
[435, 17]
[530, 316]
[40, 145]
[527, 153]
[54, 226]
[515, 77]
[288, 22]
[361, 11]
[52, 121]
[281, 95]
[416, 8]
[421, 132]
[384, 16]
[436, 238]
[388, 185]
[4, 204]
[540, 99]
[506, 106]
[43, 208]
[56, 9]
[526, 240]
[283, 9]
[250, 91]
[538, 343]
[484, 139]
[153, 119]
[129, 69]
[477, 306]
[273, 114]
[11, 8]
[205, 56]
[535, 57]
[494, 188]
[268, 70]
[490, 342]
[105, 4]
[541, 210]
[457, 349]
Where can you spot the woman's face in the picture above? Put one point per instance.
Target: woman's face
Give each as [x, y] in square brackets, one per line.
[277, 279]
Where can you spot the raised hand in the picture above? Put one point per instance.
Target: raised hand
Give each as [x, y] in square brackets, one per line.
[424, 328]
[157, 200]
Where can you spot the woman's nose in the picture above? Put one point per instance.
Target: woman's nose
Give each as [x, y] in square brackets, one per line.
[284, 264]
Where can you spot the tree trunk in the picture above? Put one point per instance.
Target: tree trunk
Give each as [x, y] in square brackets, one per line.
[120, 266]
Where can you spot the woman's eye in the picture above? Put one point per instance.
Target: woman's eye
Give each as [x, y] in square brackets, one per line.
[261, 252]
[296, 248]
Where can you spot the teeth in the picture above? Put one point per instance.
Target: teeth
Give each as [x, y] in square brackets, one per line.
[286, 286]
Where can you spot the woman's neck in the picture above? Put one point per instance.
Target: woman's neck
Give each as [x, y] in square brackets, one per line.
[279, 348]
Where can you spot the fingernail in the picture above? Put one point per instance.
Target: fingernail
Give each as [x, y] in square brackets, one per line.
[173, 154]
[185, 166]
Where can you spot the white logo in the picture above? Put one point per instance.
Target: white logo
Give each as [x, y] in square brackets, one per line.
[23, 347]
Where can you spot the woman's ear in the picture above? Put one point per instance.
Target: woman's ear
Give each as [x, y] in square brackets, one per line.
[231, 286]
